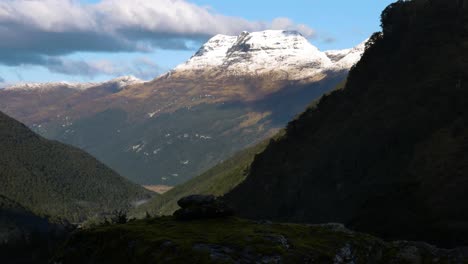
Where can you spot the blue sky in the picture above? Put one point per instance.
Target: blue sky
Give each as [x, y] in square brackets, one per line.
[348, 22]
[71, 42]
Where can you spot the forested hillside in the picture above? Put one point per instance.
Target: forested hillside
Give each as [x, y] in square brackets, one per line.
[217, 181]
[388, 153]
[56, 180]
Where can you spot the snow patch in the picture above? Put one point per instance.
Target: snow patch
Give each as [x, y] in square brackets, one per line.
[152, 114]
[138, 148]
[156, 151]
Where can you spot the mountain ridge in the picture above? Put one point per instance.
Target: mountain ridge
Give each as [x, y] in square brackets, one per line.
[185, 121]
[220, 51]
[120, 82]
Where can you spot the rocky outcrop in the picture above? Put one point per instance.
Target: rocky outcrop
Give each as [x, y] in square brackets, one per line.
[201, 207]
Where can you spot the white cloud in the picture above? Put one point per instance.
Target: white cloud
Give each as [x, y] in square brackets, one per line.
[33, 30]
[142, 68]
[169, 17]
[145, 68]
[288, 24]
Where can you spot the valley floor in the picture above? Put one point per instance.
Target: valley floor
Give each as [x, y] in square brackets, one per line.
[158, 188]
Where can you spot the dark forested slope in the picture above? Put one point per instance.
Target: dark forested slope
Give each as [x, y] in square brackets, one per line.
[50, 178]
[22, 232]
[16, 221]
[388, 153]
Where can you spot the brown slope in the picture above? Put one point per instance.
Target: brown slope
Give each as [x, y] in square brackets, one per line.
[172, 116]
[25, 104]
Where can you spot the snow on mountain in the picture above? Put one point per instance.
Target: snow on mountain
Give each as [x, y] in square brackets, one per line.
[287, 54]
[124, 81]
[120, 82]
[348, 57]
[266, 52]
[337, 55]
[211, 54]
[50, 86]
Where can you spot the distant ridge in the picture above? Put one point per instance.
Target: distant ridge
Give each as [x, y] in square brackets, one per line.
[120, 82]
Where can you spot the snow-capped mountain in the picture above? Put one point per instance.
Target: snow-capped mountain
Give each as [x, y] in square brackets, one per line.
[267, 52]
[285, 55]
[119, 83]
[232, 93]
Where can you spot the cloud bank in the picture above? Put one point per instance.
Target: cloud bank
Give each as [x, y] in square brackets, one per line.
[142, 68]
[40, 32]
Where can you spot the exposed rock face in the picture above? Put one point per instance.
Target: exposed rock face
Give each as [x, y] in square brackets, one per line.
[202, 206]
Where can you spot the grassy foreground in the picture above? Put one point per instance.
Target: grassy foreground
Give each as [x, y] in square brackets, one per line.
[234, 240]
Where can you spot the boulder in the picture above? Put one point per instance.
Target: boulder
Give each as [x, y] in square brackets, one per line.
[202, 207]
[196, 200]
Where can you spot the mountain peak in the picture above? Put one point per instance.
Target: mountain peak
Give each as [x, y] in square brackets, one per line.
[270, 39]
[265, 52]
[213, 51]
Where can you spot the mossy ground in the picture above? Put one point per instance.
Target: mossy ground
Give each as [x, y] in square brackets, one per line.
[234, 240]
